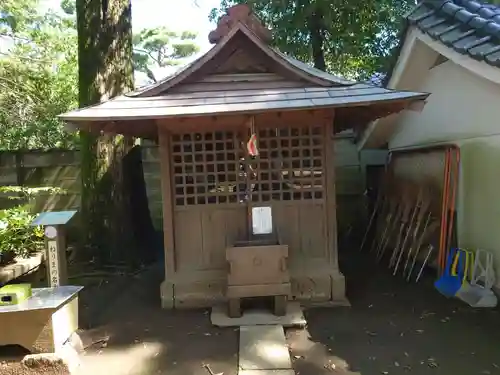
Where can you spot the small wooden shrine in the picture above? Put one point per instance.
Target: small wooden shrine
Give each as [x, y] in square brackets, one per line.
[247, 162]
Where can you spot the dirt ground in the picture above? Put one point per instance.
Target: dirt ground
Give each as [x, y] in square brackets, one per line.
[139, 338]
[396, 328]
[392, 328]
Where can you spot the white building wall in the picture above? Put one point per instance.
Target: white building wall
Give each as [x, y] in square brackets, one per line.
[463, 109]
[461, 105]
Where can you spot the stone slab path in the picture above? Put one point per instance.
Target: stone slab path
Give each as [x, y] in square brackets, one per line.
[263, 351]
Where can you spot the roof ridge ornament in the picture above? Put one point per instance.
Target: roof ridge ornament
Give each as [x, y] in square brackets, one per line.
[240, 13]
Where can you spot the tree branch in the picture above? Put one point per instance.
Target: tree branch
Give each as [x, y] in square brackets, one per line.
[146, 53]
[25, 58]
[12, 36]
[19, 88]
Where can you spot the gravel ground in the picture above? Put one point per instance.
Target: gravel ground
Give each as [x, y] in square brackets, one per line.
[16, 368]
[11, 363]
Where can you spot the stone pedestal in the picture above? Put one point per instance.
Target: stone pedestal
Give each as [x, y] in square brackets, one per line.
[23, 326]
[308, 285]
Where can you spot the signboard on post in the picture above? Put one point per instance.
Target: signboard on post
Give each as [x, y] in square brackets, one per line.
[55, 243]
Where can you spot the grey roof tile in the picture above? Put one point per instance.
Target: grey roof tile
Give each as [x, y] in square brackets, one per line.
[468, 26]
[431, 21]
[493, 58]
[492, 28]
[455, 36]
[419, 13]
[464, 44]
[479, 52]
[464, 16]
[478, 22]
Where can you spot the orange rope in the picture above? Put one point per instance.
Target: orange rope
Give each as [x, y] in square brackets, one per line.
[453, 197]
[442, 240]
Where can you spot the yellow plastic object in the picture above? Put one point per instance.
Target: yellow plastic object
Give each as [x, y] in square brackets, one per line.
[454, 266]
[469, 261]
[14, 294]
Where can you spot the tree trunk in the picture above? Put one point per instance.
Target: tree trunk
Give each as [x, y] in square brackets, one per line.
[105, 70]
[317, 39]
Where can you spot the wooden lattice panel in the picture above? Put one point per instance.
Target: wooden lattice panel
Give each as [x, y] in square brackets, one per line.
[289, 165]
[206, 168]
[213, 167]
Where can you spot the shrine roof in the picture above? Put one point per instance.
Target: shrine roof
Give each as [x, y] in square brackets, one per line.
[242, 73]
[247, 101]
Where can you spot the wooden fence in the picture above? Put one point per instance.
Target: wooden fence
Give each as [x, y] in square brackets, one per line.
[61, 169]
[55, 168]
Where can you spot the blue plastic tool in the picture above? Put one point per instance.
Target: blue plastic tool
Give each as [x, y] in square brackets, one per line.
[453, 277]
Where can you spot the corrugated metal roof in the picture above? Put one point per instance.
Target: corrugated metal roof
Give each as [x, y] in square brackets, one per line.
[469, 27]
[209, 103]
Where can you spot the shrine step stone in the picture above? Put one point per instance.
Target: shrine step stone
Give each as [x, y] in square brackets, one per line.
[263, 348]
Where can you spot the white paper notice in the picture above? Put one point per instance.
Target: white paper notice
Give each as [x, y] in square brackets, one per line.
[262, 220]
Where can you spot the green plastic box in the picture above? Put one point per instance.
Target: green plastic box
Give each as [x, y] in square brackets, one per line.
[14, 293]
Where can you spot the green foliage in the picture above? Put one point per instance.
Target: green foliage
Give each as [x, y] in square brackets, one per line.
[160, 47]
[23, 192]
[38, 77]
[354, 37]
[16, 15]
[17, 236]
[39, 70]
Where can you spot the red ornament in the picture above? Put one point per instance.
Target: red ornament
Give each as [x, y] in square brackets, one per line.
[252, 145]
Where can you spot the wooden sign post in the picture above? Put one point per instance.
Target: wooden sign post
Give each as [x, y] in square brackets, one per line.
[55, 244]
[64, 321]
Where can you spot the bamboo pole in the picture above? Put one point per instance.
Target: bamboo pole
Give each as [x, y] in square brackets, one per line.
[418, 205]
[423, 210]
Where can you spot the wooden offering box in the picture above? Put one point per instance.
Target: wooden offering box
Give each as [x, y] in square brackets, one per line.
[257, 268]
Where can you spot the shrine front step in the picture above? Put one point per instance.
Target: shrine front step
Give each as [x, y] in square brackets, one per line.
[294, 317]
[263, 351]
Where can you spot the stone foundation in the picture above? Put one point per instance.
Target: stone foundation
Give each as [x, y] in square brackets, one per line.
[320, 287]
